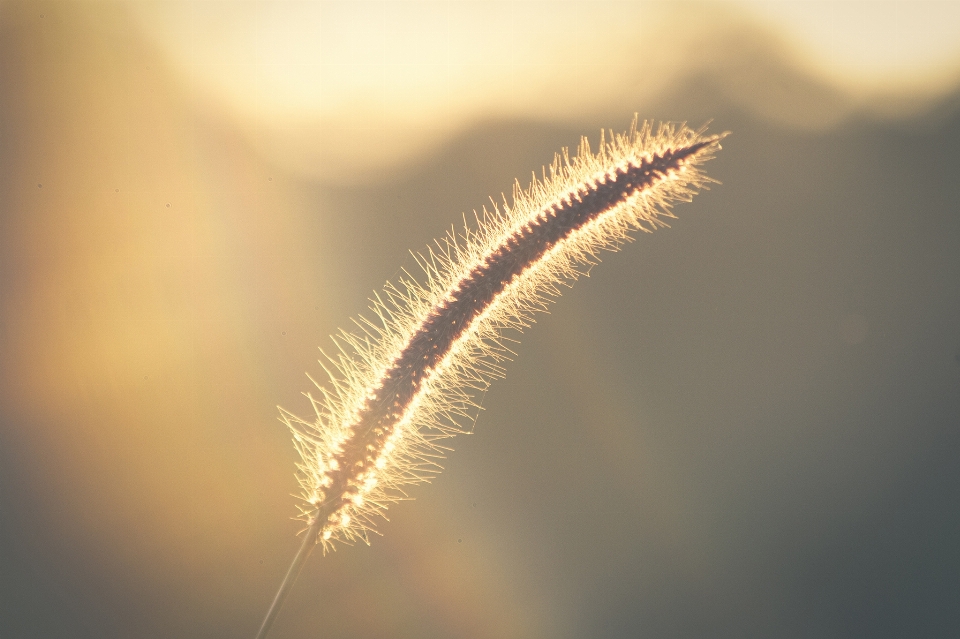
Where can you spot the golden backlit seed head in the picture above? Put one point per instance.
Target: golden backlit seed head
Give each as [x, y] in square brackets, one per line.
[403, 446]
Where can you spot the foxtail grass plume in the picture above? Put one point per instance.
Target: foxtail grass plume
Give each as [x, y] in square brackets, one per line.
[404, 380]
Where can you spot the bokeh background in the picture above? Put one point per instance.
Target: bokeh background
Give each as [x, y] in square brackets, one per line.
[746, 425]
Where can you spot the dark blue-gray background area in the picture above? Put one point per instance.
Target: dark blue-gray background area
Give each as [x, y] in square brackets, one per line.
[746, 425]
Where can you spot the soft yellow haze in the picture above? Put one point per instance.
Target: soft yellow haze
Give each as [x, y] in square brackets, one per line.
[330, 88]
[123, 278]
[875, 45]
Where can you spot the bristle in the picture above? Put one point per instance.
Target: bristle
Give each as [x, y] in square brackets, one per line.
[406, 380]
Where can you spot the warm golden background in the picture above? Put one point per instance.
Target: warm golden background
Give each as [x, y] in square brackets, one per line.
[744, 426]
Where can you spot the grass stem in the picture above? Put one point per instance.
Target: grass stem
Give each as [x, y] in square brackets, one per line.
[309, 541]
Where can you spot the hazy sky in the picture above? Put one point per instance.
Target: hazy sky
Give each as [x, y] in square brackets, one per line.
[870, 41]
[376, 81]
